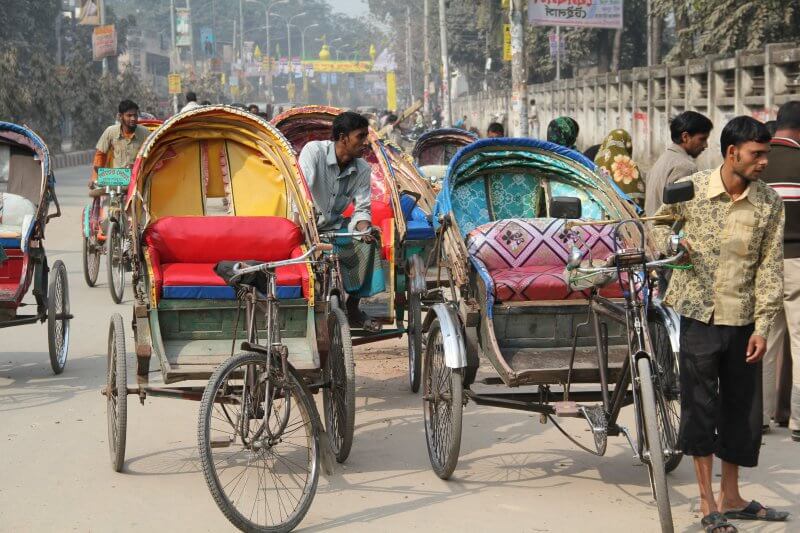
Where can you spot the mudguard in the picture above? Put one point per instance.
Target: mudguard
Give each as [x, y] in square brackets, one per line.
[415, 274]
[85, 221]
[455, 352]
[672, 320]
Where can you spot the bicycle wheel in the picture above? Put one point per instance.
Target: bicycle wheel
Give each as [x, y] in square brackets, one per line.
[442, 406]
[261, 481]
[414, 335]
[339, 398]
[58, 317]
[668, 399]
[115, 261]
[116, 392]
[91, 262]
[653, 451]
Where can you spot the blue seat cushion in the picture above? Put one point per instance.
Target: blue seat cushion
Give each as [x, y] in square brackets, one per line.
[419, 230]
[220, 292]
[10, 242]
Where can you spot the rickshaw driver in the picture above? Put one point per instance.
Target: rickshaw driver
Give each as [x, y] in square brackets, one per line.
[122, 140]
[337, 176]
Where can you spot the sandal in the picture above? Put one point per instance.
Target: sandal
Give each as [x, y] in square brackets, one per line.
[361, 320]
[753, 510]
[717, 523]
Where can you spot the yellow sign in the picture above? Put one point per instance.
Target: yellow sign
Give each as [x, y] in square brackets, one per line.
[506, 42]
[174, 83]
[391, 90]
[345, 67]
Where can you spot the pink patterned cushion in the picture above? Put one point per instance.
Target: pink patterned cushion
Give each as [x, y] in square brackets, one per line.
[525, 258]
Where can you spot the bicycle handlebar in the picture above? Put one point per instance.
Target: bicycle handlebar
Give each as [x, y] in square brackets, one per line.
[239, 271]
[352, 234]
[613, 269]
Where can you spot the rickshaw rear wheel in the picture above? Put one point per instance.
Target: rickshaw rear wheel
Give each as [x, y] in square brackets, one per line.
[91, 262]
[58, 317]
[667, 392]
[115, 261]
[339, 397]
[116, 392]
[414, 334]
[442, 405]
[655, 457]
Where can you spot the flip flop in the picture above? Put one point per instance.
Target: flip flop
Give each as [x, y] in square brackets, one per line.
[751, 512]
[717, 523]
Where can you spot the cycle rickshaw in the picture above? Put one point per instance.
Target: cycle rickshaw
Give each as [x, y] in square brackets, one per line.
[435, 148]
[227, 299]
[25, 200]
[525, 287]
[404, 227]
[105, 233]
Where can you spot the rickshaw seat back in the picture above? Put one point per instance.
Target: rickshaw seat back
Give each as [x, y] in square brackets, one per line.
[182, 252]
[497, 196]
[418, 226]
[525, 259]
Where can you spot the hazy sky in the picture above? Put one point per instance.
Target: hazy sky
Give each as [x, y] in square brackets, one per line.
[350, 7]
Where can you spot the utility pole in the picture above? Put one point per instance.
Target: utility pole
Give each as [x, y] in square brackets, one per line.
[241, 29]
[519, 72]
[174, 66]
[408, 57]
[649, 34]
[426, 62]
[558, 52]
[447, 114]
[270, 99]
[191, 33]
[102, 6]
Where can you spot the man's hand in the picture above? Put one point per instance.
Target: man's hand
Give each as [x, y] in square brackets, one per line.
[365, 225]
[756, 348]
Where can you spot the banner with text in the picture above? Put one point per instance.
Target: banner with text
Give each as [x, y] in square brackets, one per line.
[183, 32]
[104, 42]
[576, 13]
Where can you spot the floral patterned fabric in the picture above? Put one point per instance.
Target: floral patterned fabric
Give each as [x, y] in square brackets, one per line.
[614, 158]
[515, 196]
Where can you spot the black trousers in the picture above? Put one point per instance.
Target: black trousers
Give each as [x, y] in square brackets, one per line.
[720, 393]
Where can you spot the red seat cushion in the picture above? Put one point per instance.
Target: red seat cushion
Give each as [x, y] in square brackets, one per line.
[202, 274]
[542, 282]
[184, 250]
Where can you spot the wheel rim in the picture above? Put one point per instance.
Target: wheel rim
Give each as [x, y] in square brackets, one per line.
[92, 258]
[263, 479]
[438, 400]
[667, 387]
[118, 262]
[112, 397]
[61, 325]
[337, 389]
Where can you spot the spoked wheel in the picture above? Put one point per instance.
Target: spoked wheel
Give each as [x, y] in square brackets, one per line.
[442, 405]
[58, 317]
[115, 261]
[91, 261]
[258, 445]
[653, 450]
[116, 393]
[667, 388]
[414, 334]
[339, 398]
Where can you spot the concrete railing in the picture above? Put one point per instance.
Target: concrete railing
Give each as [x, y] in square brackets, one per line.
[72, 159]
[643, 100]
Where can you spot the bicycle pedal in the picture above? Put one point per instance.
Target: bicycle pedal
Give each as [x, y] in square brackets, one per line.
[567, 409]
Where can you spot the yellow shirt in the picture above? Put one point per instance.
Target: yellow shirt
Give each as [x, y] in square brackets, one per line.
[737, 254]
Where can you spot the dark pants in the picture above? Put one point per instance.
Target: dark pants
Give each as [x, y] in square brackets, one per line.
[720, 393]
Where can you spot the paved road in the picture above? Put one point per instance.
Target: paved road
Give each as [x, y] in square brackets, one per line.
[514, 473]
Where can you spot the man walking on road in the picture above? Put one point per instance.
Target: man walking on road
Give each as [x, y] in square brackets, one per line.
[783, 174]
[689, 132]
[733, 233]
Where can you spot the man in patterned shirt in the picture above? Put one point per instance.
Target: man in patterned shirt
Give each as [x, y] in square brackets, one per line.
[733, 233]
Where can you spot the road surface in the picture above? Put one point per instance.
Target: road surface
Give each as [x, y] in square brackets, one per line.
[514, 473]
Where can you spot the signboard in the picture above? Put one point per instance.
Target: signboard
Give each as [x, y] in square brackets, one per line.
[506, 42]
[104, 42]
[576, 13]
[352, 67]
[309, 71]
[207, 41]
[183, 33]
[297, 67]
[174, 81]
[555, 44]
[391, 90]
[90, 13]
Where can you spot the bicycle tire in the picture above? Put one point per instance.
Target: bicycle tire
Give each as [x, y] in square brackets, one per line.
[58, 325]
[116, 393]
[652, 441]
[667, 392]
[340, 370]
[209, 465]
[91, 262]
[414, 335]
[115, 262]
